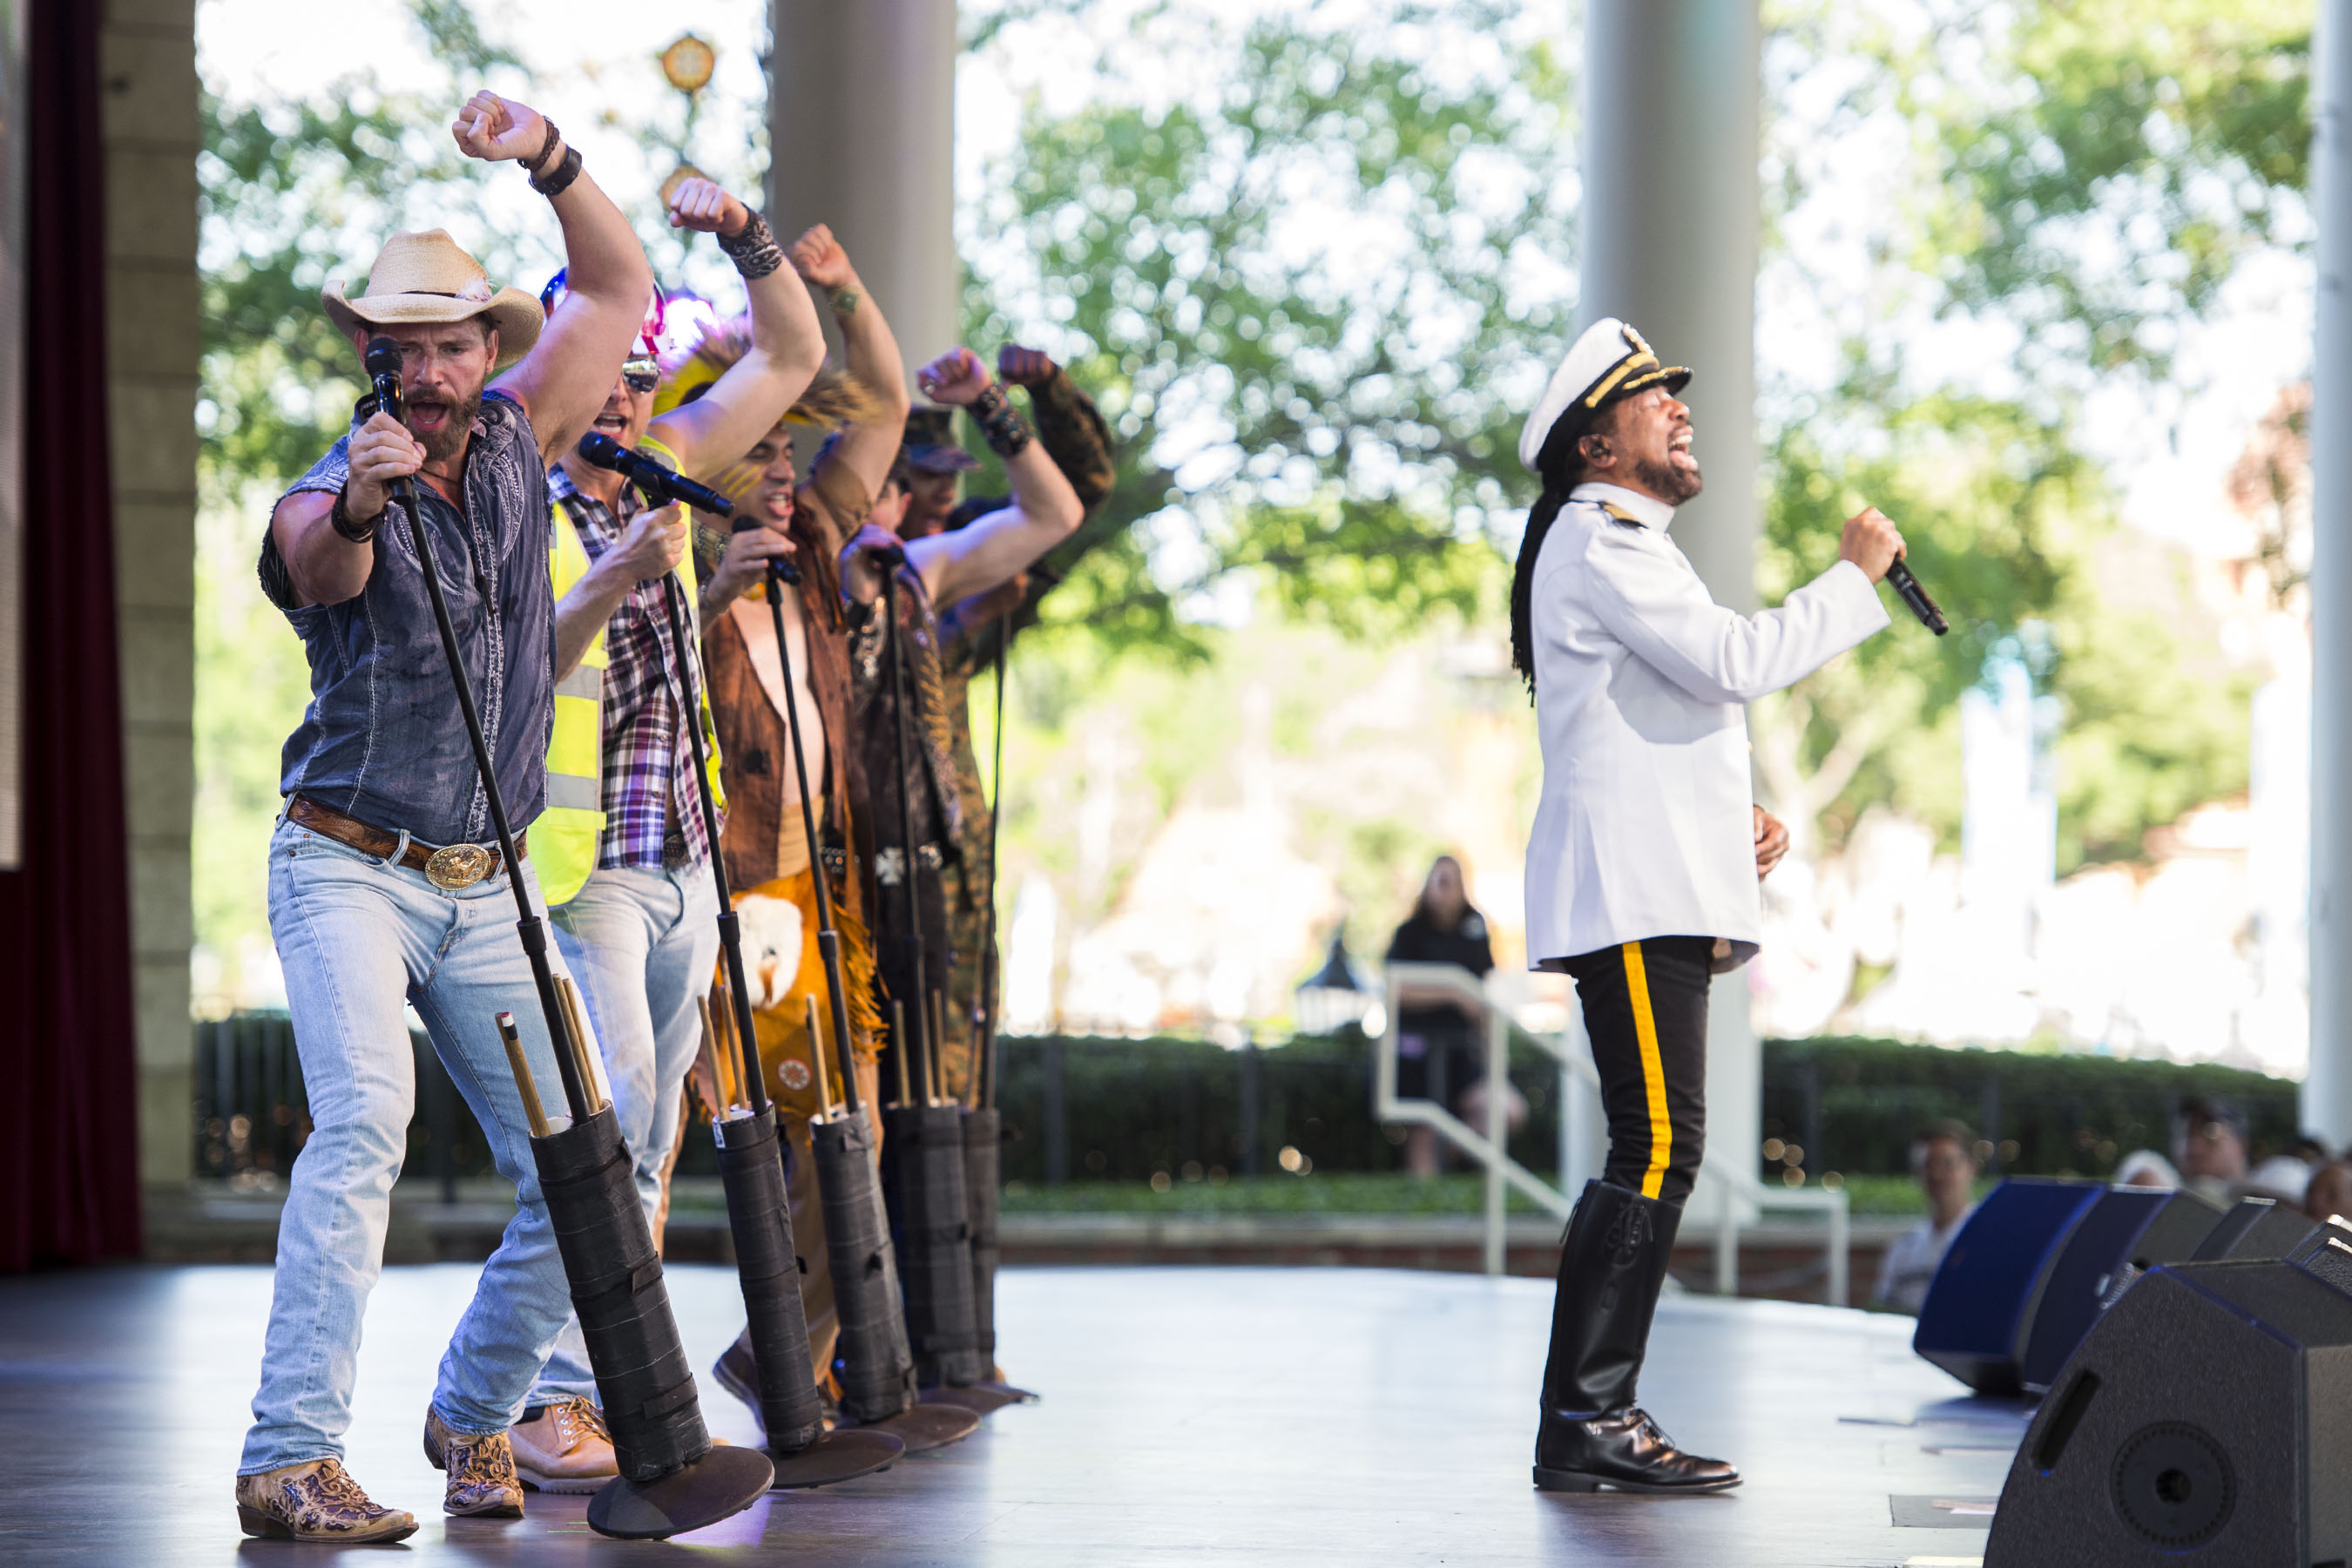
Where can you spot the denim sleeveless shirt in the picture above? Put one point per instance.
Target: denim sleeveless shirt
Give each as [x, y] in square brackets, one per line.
[383, 738]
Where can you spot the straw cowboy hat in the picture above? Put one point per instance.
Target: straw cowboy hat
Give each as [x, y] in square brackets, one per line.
[426, 277]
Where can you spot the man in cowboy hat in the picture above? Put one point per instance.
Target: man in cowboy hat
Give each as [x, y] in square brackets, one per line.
[381, 890]
[626, 870]
[1642, 867]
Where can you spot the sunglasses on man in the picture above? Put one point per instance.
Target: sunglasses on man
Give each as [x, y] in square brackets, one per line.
[641, 373]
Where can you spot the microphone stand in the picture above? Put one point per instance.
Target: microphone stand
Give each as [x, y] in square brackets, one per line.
[877, 1369]
[750, 1155]
[672, 1478]
[828, 937]
[926, 1132]
[919, 1003]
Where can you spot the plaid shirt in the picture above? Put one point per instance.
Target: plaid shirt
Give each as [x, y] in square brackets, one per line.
[648, 755]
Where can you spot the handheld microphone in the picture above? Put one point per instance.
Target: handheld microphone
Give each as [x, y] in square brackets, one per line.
[383, 362]
[659, 481]
[1899, 578]
[778, 567]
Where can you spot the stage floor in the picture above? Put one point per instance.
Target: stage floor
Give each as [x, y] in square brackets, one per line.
[1192, 1415]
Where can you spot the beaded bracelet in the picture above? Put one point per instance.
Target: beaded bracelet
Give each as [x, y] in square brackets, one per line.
[753, 248]
[1007, 432]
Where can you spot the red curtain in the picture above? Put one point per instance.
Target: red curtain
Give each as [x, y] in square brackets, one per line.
[68, 1073]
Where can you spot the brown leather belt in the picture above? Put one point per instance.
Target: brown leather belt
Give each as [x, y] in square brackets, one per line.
[449, 866]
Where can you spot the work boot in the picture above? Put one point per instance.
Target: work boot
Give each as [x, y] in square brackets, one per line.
[316, 1501]
[1612, 1263]
[738, 1372]
[564, 1448]
[482, 1480]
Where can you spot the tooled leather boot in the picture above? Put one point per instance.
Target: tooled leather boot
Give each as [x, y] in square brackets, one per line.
[482, 1479]
[1612, 1263]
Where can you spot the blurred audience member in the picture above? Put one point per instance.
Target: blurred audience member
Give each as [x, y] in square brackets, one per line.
[2328, 1193]
[2210, 1148]
[1943, 1159]
[2146, 1168]
[1438, 1032]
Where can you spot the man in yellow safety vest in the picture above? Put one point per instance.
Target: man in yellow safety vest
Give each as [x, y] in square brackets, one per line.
[622, 852]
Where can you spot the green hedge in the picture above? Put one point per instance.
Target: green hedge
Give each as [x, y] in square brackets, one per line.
[1132, 1107]
[1854, 1104]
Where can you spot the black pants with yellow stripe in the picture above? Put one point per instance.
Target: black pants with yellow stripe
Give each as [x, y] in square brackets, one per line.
[1645, 1010]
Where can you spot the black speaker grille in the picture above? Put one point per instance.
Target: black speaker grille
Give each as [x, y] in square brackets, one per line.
[2173, 1484]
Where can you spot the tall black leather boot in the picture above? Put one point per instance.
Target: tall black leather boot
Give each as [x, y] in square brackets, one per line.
[1612, 1266]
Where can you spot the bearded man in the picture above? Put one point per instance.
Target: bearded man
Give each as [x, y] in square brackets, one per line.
[1642, 867]
[381, 890]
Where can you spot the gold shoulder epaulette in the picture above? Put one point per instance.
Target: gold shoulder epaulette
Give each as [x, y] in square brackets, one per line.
[1620, 513]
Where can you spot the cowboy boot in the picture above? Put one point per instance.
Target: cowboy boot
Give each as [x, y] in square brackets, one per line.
[482, 1479]
[1612, 1263]
[316, 1500]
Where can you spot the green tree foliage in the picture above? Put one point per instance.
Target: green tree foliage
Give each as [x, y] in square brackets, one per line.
[1314, 304]
[2006, 519]
[2107, 165]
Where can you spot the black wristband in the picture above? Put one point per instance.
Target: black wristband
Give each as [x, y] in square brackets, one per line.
[753, 249]
[1005, 429]
[558, 182]
[350, 527]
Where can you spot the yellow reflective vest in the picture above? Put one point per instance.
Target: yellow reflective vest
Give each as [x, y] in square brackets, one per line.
[566, 838]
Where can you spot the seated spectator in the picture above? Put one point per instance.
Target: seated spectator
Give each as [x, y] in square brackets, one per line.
[1943, 1159]
[2146, 1168]
[2328, 1194]
[2211, 1149]
[2282, 1176]
[1440, 1051]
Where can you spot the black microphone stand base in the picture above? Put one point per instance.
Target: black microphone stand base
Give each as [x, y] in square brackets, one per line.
[841, 1455]
[982, 1398]
[922, 1427]
[720, 1484]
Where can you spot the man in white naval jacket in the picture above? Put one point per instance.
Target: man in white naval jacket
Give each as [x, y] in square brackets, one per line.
[1647, 848]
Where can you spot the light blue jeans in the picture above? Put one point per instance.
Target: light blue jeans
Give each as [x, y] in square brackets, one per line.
[644, 943]
[359, 938]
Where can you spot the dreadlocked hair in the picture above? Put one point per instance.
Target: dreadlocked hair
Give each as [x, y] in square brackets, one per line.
[1559, 467]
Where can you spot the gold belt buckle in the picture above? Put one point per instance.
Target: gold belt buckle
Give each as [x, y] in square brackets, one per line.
[455, 865]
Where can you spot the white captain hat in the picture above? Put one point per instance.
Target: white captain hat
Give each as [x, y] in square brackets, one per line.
[1608, 364]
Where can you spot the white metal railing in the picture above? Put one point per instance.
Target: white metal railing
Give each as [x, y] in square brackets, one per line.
[1733, 1194]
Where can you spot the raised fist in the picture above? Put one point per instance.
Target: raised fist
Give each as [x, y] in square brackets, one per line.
[701, 205]
[497, 130]
[957, 377]
[1025, 367]
[818, 257]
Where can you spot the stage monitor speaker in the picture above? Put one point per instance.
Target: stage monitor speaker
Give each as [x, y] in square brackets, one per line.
[1978, 1305]
[2206, 1422]
[2129, 1231]
[2254, 1228]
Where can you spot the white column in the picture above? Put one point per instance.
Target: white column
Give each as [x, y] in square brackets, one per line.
[1671, 127]
[2327, 1092]
[861, 120]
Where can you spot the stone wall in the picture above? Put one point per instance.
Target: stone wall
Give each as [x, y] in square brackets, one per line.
[151, 131]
